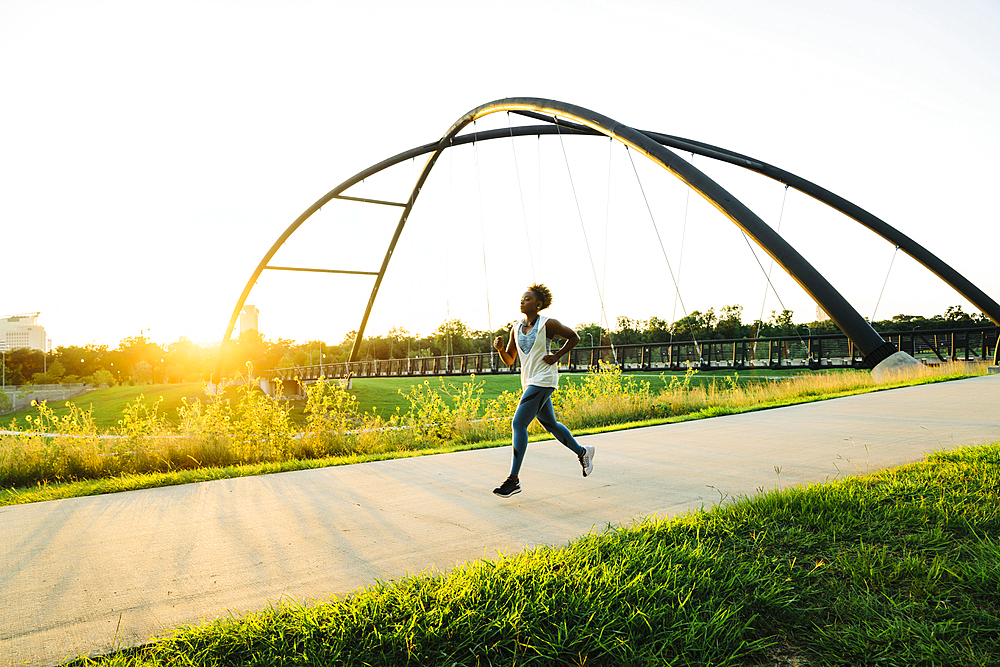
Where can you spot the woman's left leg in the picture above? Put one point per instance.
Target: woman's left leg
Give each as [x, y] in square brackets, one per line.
[546, 416]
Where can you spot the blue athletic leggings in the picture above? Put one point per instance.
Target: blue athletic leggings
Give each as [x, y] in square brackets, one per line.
[536, 403]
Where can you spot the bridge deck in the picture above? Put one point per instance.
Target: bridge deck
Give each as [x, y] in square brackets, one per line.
[819, 351]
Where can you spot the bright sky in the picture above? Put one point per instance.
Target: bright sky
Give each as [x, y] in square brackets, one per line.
[151, 153]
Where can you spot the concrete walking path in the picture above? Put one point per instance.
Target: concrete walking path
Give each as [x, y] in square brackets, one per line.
[88, 574]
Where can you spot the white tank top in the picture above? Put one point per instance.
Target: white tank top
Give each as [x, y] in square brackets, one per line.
[534, 371]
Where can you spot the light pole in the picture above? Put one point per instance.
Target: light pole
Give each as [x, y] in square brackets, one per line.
[3, 362]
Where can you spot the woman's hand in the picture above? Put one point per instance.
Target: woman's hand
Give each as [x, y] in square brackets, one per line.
[498, 343]
[550, 358]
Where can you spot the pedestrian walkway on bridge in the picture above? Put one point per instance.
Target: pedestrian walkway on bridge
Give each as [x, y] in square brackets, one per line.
[90, 574]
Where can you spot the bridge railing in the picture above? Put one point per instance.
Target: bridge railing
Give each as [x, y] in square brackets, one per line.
[813, 351]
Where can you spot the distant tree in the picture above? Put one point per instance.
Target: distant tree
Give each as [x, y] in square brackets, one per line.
[81, 360]
[14, 376]
[452, 337]
[135, 349]
[697, 324]
[730, 324]
[278, 349]
[251, 346]
[781, 324]
[655, 330]
[25, 362]
[627, 332]
[142, 373]
[590, 335]
[52, 375]
[399, 341]
[103, 377]
[956, 316]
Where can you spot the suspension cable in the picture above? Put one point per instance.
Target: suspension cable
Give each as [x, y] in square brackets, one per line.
[886, 282]
[482, 227]
[539, 153]
[607, 218]
[520, 191]
[409, 262]
[778, 296]
[770, 268]
[586, 241]
[447, 249]
[663, 249]
[680, 260]
[607, 224]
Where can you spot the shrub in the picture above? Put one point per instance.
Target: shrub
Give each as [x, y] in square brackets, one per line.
[429, 418]
[605, 396]
[330, 412]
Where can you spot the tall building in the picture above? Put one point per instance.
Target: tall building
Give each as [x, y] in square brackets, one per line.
[248, 319]
[23, 331]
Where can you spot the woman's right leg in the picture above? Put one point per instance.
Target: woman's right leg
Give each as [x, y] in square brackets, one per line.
[527, 408]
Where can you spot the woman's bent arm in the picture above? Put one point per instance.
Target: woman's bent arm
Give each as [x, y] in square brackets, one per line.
[556, 328]
[509, 354]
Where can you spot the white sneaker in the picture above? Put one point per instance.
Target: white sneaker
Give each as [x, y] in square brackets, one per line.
[587, 460]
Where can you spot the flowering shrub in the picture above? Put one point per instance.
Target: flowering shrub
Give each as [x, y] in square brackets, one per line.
[604, 396]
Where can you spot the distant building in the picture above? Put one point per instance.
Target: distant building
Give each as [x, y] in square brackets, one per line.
[248, 319]
[23, 331]
[821, 314]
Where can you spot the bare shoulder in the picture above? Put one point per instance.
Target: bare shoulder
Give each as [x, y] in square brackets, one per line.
[554, 327]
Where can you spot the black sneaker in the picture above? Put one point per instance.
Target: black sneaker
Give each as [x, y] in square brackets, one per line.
[508, 488]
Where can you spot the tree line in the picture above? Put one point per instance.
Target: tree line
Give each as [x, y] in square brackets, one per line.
[137, 360]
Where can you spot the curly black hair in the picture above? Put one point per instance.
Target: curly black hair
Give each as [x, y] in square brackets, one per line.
[543, 293]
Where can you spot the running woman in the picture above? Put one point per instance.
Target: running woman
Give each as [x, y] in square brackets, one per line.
[539, 378]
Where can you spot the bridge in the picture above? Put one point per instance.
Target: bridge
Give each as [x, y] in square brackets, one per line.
[811, 351]
[865, 344]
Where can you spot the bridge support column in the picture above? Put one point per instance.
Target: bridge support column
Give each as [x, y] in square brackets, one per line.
[290, 388]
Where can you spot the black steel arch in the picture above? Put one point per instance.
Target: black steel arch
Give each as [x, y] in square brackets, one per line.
[653, 145]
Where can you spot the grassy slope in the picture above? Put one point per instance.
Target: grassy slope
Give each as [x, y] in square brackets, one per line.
[899, 567]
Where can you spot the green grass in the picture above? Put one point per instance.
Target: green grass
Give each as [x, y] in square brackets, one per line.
[898, 567]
